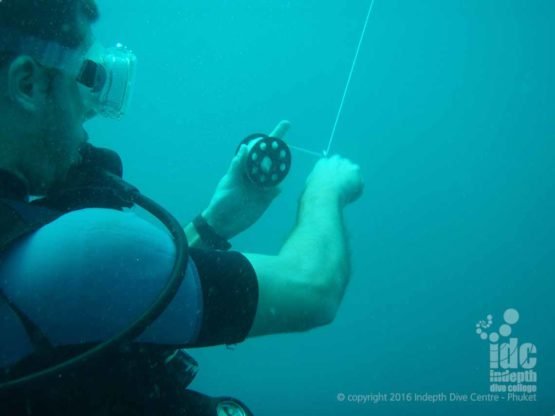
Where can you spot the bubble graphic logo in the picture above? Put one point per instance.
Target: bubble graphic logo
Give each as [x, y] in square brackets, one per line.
[511, 363]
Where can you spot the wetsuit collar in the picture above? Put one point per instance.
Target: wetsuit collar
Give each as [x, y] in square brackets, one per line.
[11, 187]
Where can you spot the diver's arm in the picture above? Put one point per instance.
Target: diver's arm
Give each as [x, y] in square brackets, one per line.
[302, 287]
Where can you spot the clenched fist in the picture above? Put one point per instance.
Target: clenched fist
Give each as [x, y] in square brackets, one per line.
[336, 176]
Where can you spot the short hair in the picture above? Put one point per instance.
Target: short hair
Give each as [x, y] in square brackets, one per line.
[52, 20]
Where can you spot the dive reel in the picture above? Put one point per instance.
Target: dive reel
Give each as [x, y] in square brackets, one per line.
[269, 158]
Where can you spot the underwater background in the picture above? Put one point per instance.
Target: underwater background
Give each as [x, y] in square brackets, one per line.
[450, 115]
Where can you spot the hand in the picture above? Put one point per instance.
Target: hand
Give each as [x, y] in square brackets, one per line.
[336, 176]
[237, 203]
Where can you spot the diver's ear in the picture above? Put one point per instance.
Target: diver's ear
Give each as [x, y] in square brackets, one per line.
[27, 83]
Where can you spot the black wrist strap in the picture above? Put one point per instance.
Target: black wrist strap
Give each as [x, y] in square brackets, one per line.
[209, 236]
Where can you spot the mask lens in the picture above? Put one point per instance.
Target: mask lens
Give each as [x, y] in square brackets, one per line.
[100, 79]
[119, 63]
[92, 76]
[108, 83]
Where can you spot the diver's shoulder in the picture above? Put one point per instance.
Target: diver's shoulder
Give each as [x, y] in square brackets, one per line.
[109, 227]
[98, 217]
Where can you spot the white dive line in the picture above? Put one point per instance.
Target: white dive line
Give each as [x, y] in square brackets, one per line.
[349, 78]
[310, 152]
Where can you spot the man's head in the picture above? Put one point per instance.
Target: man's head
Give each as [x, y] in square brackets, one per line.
[41, 109]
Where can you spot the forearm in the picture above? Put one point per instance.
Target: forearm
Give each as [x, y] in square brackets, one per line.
[302, 287]
[318, 243]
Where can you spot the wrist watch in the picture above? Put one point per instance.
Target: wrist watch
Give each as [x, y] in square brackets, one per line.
[209, 236]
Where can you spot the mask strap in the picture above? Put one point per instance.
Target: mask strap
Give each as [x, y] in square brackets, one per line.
[47, 53]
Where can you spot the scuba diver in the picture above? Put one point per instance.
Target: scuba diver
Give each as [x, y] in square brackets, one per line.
[97, 305]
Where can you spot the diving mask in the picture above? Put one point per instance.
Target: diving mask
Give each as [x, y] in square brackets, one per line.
[106, 78]
[105, 75]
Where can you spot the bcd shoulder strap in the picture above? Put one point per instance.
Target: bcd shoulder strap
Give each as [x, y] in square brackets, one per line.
[18, 219]
[40, 342]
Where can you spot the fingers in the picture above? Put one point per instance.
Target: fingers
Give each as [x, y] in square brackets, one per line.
[339, 161]
[237, 163]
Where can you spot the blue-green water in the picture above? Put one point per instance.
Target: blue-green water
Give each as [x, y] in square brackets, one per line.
[450, 115]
